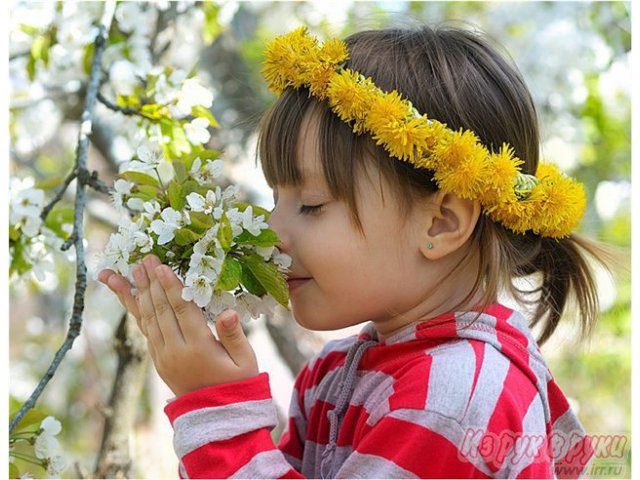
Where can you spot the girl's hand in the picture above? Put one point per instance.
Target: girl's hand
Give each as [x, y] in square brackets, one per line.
[184, 351]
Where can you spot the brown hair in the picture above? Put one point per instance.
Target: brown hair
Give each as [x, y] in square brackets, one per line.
[457, 77]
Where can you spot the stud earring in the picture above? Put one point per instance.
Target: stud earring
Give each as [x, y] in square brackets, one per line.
[429, 245]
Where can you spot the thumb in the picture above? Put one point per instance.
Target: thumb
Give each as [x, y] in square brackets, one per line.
[233, 339]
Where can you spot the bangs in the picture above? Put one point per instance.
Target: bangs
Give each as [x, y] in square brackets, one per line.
[340, 152]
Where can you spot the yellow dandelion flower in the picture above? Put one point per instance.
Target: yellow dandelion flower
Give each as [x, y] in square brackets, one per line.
[386, 108]
[285, 58]
[404, 140]
[502, 170]
[455, 148]
[466, 178]
[562, 205]
[350, 95]
[333, 52]
[318, 80]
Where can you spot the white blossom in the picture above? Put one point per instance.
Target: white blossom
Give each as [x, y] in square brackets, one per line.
[192, 94]
[235, 220]
[209, 243]
[56, 465]
[135, 203]
[46, 445]
[282, 260]
[251, 306]
[196, 131]
[51, 426]
[265, 252]
[212, 170]
[197, 288]
[206, 266]
[116, 254]
[25, 208]
[121, 188]
[165, 228]
[253, 224]
[198, 203]
[220, 301]
[144, 241]
[129, 16]
[151, 210]
[122, 76]
[148, 160]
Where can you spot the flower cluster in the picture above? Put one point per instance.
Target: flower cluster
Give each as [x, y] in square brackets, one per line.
[46, 447]
[220, 247]
[549, 204]
[31, 241]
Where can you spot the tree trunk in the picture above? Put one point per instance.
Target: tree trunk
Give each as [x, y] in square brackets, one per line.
[114, 459]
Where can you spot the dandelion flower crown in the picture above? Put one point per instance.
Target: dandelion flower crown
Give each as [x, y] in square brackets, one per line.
[548, 203]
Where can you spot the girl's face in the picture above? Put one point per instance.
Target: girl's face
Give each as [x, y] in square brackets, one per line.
[340, 277]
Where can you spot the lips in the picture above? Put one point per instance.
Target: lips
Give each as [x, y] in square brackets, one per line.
[297, 282]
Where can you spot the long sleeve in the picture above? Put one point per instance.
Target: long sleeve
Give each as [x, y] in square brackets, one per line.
[224, 432]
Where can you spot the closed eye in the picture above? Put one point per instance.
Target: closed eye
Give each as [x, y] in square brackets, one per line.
[310, 209]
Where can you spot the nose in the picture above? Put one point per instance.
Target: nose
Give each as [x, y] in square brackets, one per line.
[278, 224]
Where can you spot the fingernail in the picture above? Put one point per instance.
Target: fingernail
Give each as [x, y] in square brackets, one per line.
[137, 274]
[162, 271]
[230, 322]
[150, 260]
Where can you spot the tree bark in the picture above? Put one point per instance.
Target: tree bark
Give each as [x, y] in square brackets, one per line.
[114, 458]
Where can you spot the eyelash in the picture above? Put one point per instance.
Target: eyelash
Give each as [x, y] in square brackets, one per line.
[310, 209]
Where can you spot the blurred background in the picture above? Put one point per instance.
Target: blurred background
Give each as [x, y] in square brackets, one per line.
[575, 57]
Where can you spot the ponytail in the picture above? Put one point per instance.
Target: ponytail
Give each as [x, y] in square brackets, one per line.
[562, 270]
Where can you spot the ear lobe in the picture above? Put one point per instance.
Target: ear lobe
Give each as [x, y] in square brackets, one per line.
[448, 225]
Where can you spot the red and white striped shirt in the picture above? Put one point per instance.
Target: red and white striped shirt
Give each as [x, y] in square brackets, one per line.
[464, 395]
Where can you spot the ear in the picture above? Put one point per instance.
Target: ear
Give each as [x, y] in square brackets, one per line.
[448, 223]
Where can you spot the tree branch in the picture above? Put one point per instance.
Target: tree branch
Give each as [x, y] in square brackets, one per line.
[114, 459]
[75, 322]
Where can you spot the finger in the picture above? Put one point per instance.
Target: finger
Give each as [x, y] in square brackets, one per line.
[234, 340]
[147, 310]
[190, 318]
[122, 288]
[165, 316]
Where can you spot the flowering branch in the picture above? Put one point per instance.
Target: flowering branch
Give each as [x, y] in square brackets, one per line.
[81, 163]
[116, 108]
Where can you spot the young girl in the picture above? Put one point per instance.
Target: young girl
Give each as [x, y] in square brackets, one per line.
[409, 194]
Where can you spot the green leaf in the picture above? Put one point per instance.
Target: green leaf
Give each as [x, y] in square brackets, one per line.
[14, 472]
[176, 199]
[31, 68]
[57, 218]
[225, 233]
[146, 192]
[269, 277]
[267, 238]
[140, 178]
[14, 233]
[155, 111]
[186, 236]
[188, 187]
[181, 171]
[32, 417]
[250, 282]
[131, 101]
[29, 29]
[87, 58]
[179, 144]
[203, 112]
[200, 221]
[19, 264]
[211, 28]
[230, 275]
